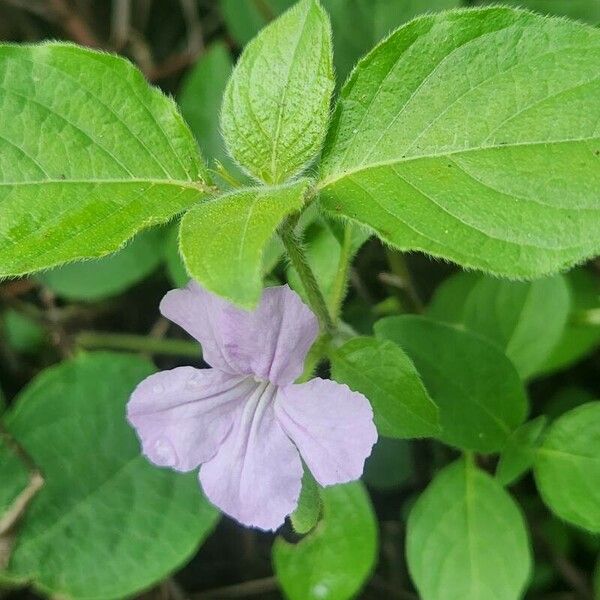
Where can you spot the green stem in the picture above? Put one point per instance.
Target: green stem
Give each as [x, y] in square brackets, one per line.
[470, 459]
[92, 340]
[340, 283]
[297, 256]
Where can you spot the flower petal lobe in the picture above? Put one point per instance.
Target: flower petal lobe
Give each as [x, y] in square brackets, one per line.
[183, 415]
[331, 425]
[255, 477]
[270, 342]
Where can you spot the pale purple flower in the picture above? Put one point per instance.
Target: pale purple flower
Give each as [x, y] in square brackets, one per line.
[244, 422]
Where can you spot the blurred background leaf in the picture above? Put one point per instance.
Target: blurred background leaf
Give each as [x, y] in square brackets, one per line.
[103, 505]
[333, 561]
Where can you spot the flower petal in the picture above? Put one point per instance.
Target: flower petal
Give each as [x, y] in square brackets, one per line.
[331, 425]
[256, 475]
[270, 342]
[182, 415]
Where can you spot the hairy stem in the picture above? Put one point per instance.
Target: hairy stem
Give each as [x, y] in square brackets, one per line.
[92, 340]
[297, 256]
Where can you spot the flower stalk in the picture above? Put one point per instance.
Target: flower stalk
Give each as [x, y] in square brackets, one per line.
[93, 340]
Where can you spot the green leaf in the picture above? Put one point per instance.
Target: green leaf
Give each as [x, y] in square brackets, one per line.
[223, 241]
[390, 464]
[200, 100]
[90, 155]
[308, 511]
[276, 104]
[333, 561]
[467, 539]
[526, 319]
[444, 135]
[382, 372]
[357, 24]
[567, 467]
[178, 274]
[477, 389]
[91, 281]
[584, 10]
[519, 454]
[107, 524]
[21, 332]
[448, 302]
[578, 339]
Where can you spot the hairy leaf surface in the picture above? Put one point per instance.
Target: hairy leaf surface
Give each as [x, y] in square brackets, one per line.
[276, 104]
[472, 136]
[89, 155]
[222, 241]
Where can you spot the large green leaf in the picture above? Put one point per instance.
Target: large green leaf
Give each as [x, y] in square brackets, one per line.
[90, 154]
[333, 561]
[276, 104]
[526, 319]
[108, 276]
[200, 99]
[567, 467]
[471, 135]
[519, 453]
[448, 301]
[578, 339]
[477, 389]
[222, 241]
[467, 539]
[584, 10]
[382, 372]
[107, 523]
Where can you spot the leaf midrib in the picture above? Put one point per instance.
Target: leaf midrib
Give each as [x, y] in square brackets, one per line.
[195, 185]
[328, 182]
